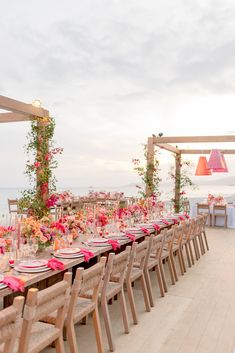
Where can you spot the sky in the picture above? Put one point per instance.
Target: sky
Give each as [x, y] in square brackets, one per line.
[112, 73]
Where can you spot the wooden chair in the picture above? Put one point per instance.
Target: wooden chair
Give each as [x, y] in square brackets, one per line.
[113, 286]
[83, 301]
[37, 335]
[167, 254]
[186, 206]
[156, 244]
[13, 206]
[220, 211]
[186, 230]
[177, 247]
[10, 325]
[134, 272]
[204, 209]
[204, 220]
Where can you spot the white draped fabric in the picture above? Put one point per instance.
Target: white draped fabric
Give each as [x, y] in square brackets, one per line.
[219, 220]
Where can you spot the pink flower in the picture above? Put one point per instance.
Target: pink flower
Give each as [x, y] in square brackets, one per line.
[37, 164]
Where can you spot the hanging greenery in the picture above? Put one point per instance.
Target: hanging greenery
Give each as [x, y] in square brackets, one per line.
[143, 172]
[183, 182]
[40, 166]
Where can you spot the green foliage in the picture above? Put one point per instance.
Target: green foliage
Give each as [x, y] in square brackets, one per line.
[182, 182]
[144, 172]
[41, 150]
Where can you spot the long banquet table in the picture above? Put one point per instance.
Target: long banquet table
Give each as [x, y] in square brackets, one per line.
[45, 279]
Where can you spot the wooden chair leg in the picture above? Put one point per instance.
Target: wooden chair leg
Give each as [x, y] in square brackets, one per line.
[163, 276]
[180, 262]
[205, 238]
[173, 266]
[191, 252]
[149, 287]
[145, 293]
[197, 256]
[160, 281]
[171, 270]
[72, 341]
[132, 302]
[98, 333]
[202, 248]
[188, 255]
[59, 345]
[124, 312]
[107, 324]
[182, 259]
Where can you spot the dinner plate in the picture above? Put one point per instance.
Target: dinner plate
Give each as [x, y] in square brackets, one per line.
[99, 240]
[35, 270]
[90, 243]
[68, 251]
[134, 231]
[33, 263]
[68, 256]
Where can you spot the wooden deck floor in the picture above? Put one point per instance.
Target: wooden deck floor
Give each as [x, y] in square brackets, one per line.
[197, 315]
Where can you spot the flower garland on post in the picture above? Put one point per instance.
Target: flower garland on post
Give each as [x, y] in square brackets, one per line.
[40, 171]
[182, 181]
[142, 171]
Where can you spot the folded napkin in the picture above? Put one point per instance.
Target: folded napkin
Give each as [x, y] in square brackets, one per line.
[165, 222]
[145, 230]
[87, 254]
[114, 243]
[156, 227]
[181, 218]
[55, 264]
[130, 236]
[175, 220]
[14, 283]
[186, 216]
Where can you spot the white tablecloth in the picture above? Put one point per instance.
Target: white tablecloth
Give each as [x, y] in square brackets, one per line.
[219, 220]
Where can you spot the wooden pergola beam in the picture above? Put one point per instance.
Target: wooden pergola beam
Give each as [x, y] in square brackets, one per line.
[194, 139]
[168, 147]
[14, 117]
[22, 108]
[205, 151]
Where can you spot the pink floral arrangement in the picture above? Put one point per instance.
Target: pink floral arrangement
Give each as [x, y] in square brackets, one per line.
[4, 231]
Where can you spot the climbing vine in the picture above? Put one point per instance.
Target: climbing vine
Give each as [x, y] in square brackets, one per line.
[40, 166]
[144, 171]
[183, 181]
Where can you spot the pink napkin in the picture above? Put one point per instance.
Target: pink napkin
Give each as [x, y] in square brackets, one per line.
[14, 283]
[186, 215]
[130, 236]
[165, 222]
[114, 243]
[2, 249]
[181, 218]
[156, 227]
[87, 254]
[54, 264]
[175, 220]
[146, 231]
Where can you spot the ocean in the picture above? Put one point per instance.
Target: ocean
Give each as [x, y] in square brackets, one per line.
[228, 191]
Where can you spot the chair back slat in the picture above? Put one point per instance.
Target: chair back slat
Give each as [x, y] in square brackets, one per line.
[9, 324]
[91, 277]
[120, 262]
[141, 252]
[157, 245]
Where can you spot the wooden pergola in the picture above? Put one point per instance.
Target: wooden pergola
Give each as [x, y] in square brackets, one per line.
[16, 111]
[170, 144]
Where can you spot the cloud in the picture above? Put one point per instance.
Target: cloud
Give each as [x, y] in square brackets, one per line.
[113, 73]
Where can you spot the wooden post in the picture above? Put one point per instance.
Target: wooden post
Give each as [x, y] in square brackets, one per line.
[42, 185]
[150, 164]
[177, 181]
